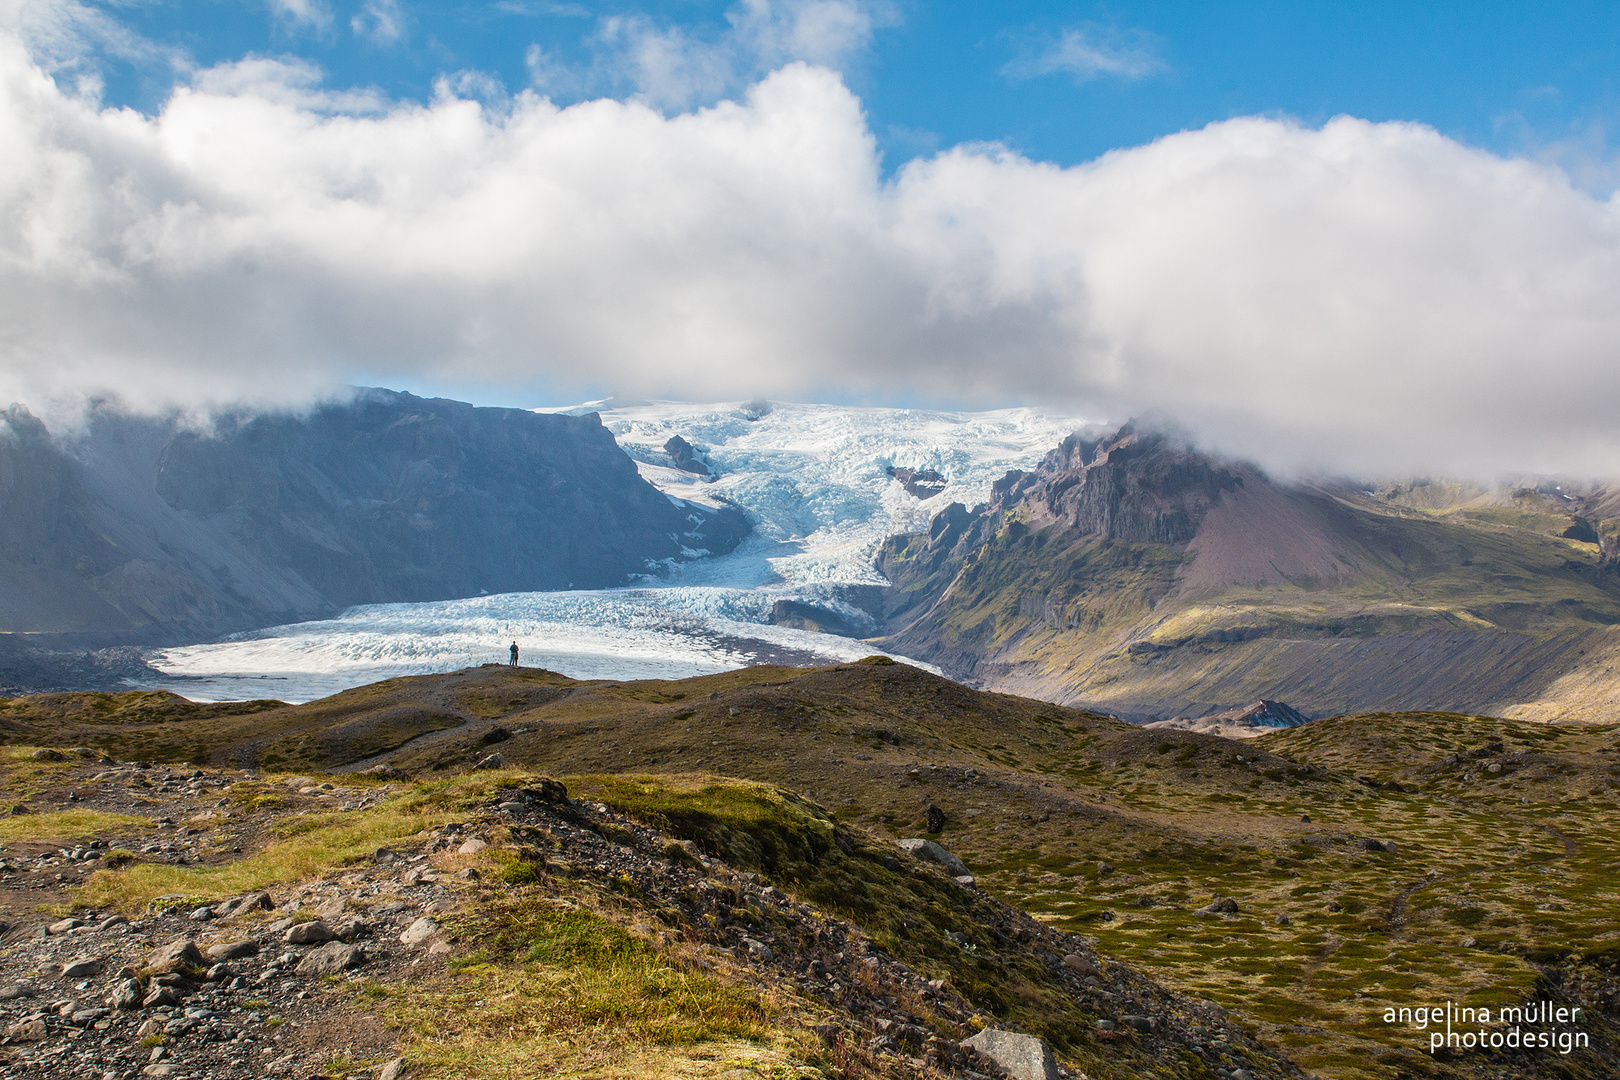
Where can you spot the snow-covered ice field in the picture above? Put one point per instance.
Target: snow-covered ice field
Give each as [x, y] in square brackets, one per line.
[812, 478]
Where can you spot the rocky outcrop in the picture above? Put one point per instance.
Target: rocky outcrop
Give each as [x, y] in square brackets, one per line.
[919, 483]
[142, 529]
[685, 456]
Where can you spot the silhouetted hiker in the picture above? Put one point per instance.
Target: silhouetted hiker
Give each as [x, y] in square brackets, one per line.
[514, 654]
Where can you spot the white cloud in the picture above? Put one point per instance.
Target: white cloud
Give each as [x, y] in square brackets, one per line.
[1089, 52]
[1363, 296]
[382, 22]
[315, 14]
[676, 67]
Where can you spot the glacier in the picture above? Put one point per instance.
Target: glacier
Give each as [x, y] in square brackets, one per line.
[814, 480]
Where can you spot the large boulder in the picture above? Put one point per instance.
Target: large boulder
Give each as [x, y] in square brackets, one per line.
[332, 957]
[927, 849]
[177, 955]
[1024, 1057]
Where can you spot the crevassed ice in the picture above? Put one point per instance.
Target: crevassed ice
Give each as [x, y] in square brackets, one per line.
[811, 477]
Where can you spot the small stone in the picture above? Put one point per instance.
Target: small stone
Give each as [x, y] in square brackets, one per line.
[493, 761]
[1282, 919]
[1105, 1025]
[177, 954]
[12, 991]
[1221, 905]
[472, 847]
[332, 957]
[149, 1028]
[220, 973]
[160, 995]
[64, 925]
[1076, 962]
[934, 819]
[419, 931]
[394, 1070]
[48, 755]
[259, 901]
[1470, 942]
[81, 967]
[126, 995]
[1241, 1074]
[309, 933]
[1145, 1024]
[758, 950]
[202, 914]
[29, 1031]
[232, 950]
[438, 948]
[932, 852]
[1024, 1057]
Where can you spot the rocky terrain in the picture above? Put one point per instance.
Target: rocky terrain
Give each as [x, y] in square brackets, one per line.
[342, 970]
[142, 530]
[1303, 881]
[1133, 573]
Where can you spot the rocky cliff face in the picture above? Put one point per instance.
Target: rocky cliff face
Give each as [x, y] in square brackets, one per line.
[139, 529]
[1134, 573]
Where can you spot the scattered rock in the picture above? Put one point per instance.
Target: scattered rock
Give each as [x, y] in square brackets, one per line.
[29, 1031]
[1024, 1057]
[82, 967]
[160, 996]
[493, 761]
[1221, 905]
[1076, 962]
[1145, 1024]
[232, 950]
[394, 1070]
[935, 819]
[13, 991]
[472, 847]
[1104, 869]
[125, 994]
[331, 957]
[419, 931]
[439, 948]
[177, 955]
[310, 933]
[927, 849]
[1282, 919]
[48, 755]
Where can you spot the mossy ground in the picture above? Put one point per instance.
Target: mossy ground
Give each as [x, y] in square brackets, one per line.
[1521, 861]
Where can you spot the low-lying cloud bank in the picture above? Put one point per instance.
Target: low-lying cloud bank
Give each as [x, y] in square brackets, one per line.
[1365, 297]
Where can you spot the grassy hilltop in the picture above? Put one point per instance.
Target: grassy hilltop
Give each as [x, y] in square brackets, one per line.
[1375, 860]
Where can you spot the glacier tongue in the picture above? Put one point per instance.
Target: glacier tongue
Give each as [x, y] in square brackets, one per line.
[813, 479]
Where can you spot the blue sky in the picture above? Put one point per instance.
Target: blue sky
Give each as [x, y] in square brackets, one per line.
[1057, 82]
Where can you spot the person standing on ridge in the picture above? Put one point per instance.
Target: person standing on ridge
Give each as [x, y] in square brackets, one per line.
[514, 654]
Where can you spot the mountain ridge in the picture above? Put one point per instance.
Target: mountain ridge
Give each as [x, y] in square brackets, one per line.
[142, 529]
[1134, 574]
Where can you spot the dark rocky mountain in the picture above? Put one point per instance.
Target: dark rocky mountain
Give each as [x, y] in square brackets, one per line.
[685, 456]
[1134, 573]
[144, 530]
[919, 483]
